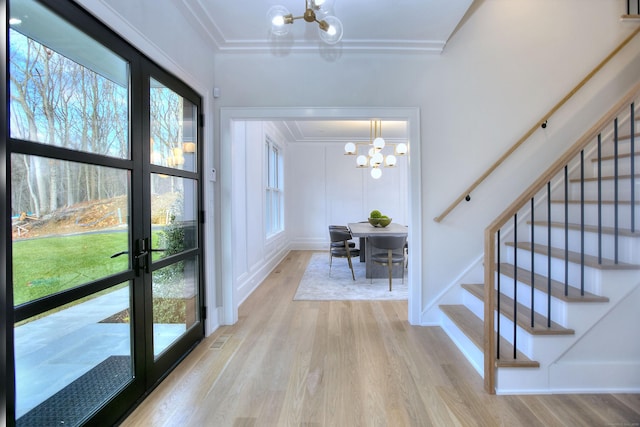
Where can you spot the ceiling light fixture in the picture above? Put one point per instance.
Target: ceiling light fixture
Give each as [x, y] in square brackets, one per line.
[375, 157]
[329, 27]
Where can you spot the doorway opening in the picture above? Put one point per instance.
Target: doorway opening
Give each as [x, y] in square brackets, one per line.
[230, 117]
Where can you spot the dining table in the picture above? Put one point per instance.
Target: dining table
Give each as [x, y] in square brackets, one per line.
[363, 230]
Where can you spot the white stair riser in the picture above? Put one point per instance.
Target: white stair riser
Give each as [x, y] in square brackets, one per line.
[624, 147]
[474, 354]
[628, 247]
[558, 307]
[591, 214]
[607, 189]
[523, 338]
[608, 166]
[540, 265]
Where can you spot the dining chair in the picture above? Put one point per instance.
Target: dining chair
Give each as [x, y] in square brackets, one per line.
[342, 248]
[339, 244]
[385, 255]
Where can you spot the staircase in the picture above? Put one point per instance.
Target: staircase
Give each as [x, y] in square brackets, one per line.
[562, 274]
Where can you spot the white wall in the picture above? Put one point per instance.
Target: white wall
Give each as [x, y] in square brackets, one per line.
[506, 66]
[324, 187]
[253, 255]
[508, 63]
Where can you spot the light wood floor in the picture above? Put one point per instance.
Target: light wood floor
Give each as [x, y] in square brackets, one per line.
[346, 363]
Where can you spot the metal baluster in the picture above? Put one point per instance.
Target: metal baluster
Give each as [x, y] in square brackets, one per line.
[615, 190]
[566, 230]
[498, 300]
[515, 280]
[599, 198]
[632, 152]
[533, 242]
[582, 222]
[549, 254]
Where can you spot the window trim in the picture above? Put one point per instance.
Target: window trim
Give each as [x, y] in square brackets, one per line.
[273, 154]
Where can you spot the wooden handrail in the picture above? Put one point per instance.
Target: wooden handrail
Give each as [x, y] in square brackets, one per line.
[573, 151]
[490, 232]
[535, 127]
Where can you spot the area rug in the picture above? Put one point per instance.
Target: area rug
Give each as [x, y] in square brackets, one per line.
[318, 284]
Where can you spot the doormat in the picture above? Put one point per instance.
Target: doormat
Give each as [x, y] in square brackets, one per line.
[71, 405]
[318, 284]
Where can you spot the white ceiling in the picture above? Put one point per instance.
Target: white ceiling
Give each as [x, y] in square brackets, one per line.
[380, 26]
[369, 26]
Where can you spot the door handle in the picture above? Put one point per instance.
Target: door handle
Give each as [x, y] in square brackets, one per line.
[141, 257]
[118, 254]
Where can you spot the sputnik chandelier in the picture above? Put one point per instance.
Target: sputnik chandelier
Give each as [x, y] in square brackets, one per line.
[375, 157]
[329, 27]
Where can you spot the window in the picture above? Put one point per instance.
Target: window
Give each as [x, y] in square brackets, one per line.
[274, 201]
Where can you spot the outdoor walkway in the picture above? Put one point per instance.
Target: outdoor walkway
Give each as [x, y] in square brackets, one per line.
[55, 350]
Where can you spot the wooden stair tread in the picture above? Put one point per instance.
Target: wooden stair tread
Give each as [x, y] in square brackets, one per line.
[626, 232]
[574, 257]
[626, 138]
[557, 287]
[603, 178]
[620, 156]
[473, 327]
[595, 202]
[524, 314]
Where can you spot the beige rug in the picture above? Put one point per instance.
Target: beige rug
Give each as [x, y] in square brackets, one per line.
[318, 284]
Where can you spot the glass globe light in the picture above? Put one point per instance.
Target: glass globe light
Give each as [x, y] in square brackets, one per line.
[361, 161]
[376, 173]
[401, 149]
[322, 7]
[350, 148]
[276, 18]
[377, 159]
[330, 30]
[378, 143]
[390, 160]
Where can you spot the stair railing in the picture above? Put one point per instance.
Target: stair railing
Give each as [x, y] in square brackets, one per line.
[534, 207]
[633, 8]
[542, 123]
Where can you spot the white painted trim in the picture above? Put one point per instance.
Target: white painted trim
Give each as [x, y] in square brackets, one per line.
[230, 301]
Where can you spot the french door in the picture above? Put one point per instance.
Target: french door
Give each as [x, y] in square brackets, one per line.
[105, 254]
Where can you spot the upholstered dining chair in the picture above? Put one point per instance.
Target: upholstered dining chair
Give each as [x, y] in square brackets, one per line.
[339, 244]
[385, 255]
[342, 248]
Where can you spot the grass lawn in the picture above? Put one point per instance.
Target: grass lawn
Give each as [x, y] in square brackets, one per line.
[52, 264]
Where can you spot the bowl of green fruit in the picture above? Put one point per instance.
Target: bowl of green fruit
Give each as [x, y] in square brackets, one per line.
[378, 220]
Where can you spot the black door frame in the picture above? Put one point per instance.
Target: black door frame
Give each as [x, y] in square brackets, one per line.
[147, 374]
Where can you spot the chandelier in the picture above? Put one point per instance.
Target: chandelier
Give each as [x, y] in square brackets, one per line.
[375, 156]
[329, 27]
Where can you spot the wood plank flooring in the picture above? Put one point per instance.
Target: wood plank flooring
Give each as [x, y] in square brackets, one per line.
[346, 363]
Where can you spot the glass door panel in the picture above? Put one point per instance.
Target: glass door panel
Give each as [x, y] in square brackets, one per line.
[71, 196]
[173, 129]
[174, 232]
[74, 241]
[174, 218]
[67, 90]
[175, 302]
[69, 220]
[72, 359]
